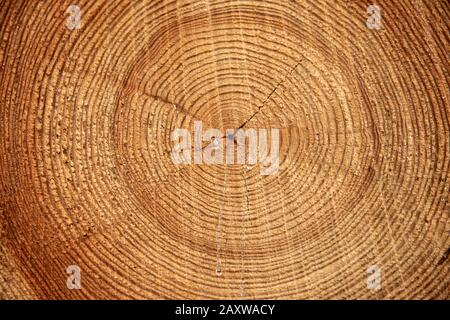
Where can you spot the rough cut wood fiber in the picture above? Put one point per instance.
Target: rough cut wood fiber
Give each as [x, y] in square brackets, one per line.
[86, 176]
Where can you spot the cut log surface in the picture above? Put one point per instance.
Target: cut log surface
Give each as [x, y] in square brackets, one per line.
[87, 179]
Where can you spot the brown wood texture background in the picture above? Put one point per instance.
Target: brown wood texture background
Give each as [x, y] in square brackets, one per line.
[85, 171]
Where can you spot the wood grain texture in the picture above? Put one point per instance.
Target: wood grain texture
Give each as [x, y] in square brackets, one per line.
[85, 171]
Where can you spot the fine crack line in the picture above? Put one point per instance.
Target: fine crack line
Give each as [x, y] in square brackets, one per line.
[269, 96]
[243, 235]
[176, 106]
[444, 256]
